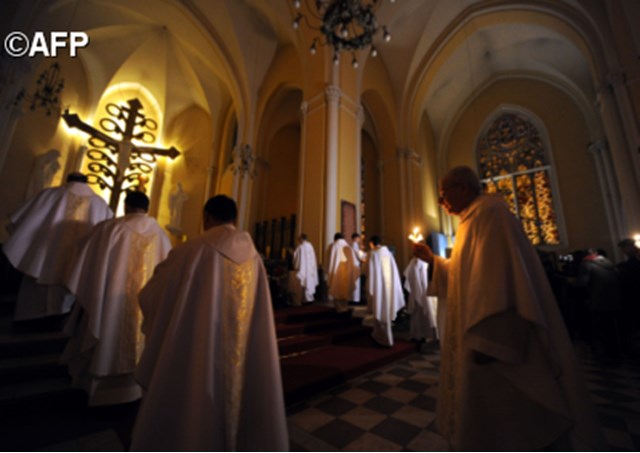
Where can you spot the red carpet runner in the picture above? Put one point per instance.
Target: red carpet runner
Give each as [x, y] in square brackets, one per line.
[320, 348]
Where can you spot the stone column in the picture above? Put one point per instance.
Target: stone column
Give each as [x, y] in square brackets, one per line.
[332, 94]
[360, 123]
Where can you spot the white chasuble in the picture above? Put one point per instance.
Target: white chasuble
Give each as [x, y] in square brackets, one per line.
[342, 272]
[47, 230]
[420, 306]
[384, 294]
[116, 261]
[210, 367]
[526, 391]
[305, 273]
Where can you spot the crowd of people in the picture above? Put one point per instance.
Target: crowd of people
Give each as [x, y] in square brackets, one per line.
[191, 331]
[599, 299]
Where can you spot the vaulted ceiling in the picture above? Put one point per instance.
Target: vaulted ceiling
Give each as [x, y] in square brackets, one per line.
[212, 52]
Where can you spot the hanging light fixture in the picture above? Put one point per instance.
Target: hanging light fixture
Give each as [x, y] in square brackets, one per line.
[346, 25]
[47, 93]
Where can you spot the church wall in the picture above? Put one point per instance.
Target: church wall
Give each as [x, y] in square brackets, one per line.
[282, 114]
[379, 104]
[313, 177]
[281, 197]
[583, 208]
[427, 150]
[371, 186]
[191, 132]
[284, 72]
[36, 133]
[623, 16]
[348, 165]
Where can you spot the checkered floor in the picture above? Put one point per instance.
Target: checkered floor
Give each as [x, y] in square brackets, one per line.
[393, 408]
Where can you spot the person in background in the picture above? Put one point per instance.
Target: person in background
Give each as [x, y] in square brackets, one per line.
[304, 277]
[598, 276]
[629, 271]
[359, 259]
[385, 297]
[342, 272]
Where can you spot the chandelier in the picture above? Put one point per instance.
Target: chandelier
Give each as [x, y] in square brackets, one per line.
[348, 25]
[48, 88]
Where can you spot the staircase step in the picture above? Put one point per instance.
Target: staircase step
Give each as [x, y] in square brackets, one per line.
[301, 343]
[25, 344]
[289, 330]
[349, 333]
[23, 369]
[328, 325]
[34, 389]
[306, 313]
[307, 374]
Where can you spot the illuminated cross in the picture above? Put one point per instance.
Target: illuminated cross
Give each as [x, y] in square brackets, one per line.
[127, 122]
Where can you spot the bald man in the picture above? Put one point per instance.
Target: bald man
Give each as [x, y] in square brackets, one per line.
[509, 380]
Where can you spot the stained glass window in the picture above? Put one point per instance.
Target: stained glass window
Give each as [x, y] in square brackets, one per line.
[512, 161]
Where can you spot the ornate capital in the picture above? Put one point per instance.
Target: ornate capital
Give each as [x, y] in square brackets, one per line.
[332, 93]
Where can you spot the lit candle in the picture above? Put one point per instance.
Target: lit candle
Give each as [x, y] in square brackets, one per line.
[416, 236]
[636, 239]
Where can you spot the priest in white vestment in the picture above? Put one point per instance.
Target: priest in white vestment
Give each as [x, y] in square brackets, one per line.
[509, 379]
[304, 277]
[361, 258]
[421, 307]
[44, 236]
[106, 342]
[384, 292]
[210, 366]
[342, 272]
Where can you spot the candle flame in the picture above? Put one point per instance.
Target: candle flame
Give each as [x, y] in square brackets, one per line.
[416, 236]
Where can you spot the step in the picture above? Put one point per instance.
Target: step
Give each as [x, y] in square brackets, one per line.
[23, 369]
[289, 330]
[301, 343]
[37, 343]
[329, 325]
[307, 374]
[349, 333]
[34, 389]
[306, 313]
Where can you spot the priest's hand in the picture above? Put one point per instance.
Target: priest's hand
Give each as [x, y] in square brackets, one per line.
[423, 252]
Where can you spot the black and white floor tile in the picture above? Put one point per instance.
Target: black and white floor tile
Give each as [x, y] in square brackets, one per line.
[393, 409]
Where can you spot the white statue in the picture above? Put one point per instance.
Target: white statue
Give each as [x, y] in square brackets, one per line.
[176, 202]
[44, 169]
